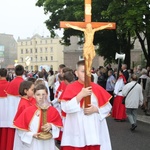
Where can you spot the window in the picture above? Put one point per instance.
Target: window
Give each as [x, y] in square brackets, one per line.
[31, 50]
[46, 58]
[51, 57]
[40, 50]
[35, 57]
[45, 49]
[31, 43]
[21, 51]
[26, 51]
[51, 49]
[36, 50]
[41, 58]
[31, 67]
[31, 58]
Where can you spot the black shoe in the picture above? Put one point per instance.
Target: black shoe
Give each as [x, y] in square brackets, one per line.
[147, 114]
[133, 127]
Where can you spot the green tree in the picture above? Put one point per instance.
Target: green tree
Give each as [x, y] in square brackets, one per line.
[133, 20]
[73, 10]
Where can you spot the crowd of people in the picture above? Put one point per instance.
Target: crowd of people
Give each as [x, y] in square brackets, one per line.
[24, 95]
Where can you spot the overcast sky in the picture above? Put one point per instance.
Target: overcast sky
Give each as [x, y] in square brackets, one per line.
[22, 18]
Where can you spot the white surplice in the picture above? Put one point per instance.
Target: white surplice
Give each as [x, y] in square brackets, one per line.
[12, 106]
[3, 112]
[82, 130]
[25, 141]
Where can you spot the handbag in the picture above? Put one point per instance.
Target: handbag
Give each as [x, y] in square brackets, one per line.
[123, 100]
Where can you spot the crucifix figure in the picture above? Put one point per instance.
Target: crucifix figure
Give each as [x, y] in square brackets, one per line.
[89, 28]
[88, 48]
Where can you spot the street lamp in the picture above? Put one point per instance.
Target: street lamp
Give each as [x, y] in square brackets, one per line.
[16, 62]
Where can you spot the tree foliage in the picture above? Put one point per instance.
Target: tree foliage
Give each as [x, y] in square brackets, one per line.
[133, 20]
[131, 16]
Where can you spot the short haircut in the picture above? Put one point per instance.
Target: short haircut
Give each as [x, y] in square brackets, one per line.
[62, 66]
[25, 85]
[69, 76]
[110, 71]
[41, 74]
[37, 82]
[134, 77]
[66, 69]
[80, 63]
[3, 72]
[60, 77]
[124, 65]
[32, 79]
[19, 70]
[144, 71]
[40, 87]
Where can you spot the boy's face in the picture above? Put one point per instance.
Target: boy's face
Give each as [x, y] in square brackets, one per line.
[80, 73]
[40, 96]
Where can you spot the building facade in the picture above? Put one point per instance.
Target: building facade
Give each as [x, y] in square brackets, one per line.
[8, 50]
[40, 52]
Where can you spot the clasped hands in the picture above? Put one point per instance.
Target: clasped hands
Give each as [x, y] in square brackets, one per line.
[45, 128]
[90, 110]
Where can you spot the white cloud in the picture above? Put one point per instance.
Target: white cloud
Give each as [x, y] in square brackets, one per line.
[22, 18]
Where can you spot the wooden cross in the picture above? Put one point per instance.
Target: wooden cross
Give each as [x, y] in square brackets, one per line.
[83, 26]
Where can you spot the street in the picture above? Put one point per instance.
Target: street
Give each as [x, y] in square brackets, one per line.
[124, 139]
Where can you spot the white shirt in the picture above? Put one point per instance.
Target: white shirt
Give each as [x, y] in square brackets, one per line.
[28, 142]
[82, 130]
[135, 97]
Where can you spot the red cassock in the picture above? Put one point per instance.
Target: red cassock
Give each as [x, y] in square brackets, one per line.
[23, 104]
[119, 110]
[61, 88]
[23, 121]
[3, 132]
[13, 87]
[12, 90]
[3, 84]
[102, 96]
